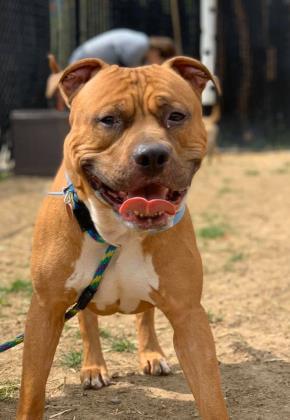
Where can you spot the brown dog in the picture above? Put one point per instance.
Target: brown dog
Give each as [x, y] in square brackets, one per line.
[212, 130]
[136, 139]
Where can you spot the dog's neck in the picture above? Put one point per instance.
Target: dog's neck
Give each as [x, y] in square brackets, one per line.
[109, 226]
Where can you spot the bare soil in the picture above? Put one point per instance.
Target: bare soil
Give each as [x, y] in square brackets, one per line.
[240, 207]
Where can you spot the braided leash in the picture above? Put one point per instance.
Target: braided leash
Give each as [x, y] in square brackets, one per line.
[9, 344]
[89, 291]
[82, 215]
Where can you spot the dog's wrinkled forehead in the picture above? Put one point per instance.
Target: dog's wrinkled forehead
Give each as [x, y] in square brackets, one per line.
[133, 90]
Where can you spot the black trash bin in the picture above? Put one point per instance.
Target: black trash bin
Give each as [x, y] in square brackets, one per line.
[37, 137]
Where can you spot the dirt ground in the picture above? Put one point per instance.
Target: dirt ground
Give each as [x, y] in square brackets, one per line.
[240, 208]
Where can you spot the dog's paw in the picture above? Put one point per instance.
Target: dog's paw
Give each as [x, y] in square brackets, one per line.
[94, 377]
[154, 363]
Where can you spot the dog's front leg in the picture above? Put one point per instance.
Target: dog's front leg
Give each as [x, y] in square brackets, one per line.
[152, 359]
[94, 373]
[43, 328]
[195, 350]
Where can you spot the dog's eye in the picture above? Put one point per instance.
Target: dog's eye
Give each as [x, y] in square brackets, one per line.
[109, 120]
[175, 118]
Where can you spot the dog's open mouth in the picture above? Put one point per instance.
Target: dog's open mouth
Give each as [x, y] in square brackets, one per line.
[148, 207]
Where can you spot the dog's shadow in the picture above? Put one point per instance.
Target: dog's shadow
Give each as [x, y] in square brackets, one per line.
[255, 389]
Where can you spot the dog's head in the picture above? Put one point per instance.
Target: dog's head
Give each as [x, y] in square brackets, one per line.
[136, 137]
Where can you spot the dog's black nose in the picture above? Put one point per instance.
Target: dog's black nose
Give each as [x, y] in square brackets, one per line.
[151, 157]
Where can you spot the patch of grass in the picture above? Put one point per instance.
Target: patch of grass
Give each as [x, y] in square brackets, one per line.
[226, 180]
[67, 326]
[210, 217]
[234, 258]
[122, 345]
[104, 333]
[229, 267]
[4, 301]
[212, 232]
[281, 171]
[239, 256]
[21, 286]
[18, 286]
[72, 359]
[7, 391]
[225, 190]
[4, 175]
[252, 172]
[78, 334]
[214, 319]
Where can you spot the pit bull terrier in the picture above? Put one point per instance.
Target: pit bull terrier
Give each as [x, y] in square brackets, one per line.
[135, 142]
[212, 130]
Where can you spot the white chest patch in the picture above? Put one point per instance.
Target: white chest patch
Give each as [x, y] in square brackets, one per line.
[128, 279]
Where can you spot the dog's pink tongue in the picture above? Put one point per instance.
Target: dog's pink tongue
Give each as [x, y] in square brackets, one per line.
[147, 207]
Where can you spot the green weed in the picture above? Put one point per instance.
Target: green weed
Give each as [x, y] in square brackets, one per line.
[72, 359]
[78, 334]
[226, 180]
[104, 333]
[252, 172]
[4, 301]
[122, 345]
[4, 175]
[225, 190]
[239, 256]
[18, 286]
[210, 217]
[21, 286]
[234, 258]
[212, 232]
[8, 390]
[281, 171]
[214, 319]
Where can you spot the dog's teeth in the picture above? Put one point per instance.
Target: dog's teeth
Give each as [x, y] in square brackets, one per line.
[122, 194]
[112, 193]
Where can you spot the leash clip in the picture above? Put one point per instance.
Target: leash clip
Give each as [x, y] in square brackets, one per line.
[70, 197]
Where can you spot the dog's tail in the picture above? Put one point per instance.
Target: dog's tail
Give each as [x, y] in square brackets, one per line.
[53, 65]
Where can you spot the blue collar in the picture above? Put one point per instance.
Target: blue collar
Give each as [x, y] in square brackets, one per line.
[179, 215]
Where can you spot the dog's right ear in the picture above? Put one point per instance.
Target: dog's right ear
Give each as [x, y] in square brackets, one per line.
[194, 72]
[77, 75]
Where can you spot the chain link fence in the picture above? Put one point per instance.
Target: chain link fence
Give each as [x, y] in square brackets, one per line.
[24, 43]
[254, 67]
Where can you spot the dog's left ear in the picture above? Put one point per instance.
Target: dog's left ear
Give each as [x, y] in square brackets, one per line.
[196, 73]
[76, 75]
